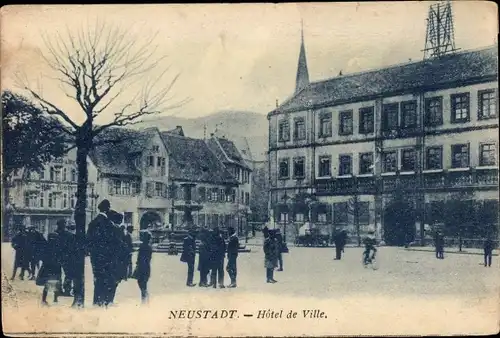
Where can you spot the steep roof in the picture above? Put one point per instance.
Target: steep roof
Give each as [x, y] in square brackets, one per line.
[447, 70]
[191, 160]
[226, 151]
[116, 156]
[177, 131]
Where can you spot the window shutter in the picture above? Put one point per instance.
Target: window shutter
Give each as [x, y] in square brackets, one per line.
[165, 190]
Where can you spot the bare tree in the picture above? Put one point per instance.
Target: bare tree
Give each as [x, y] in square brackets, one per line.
[95, 67]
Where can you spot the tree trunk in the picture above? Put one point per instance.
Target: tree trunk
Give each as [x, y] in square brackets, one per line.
[83, 149]
[356, 219]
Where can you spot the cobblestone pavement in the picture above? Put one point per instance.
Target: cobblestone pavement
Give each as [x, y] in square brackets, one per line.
[407, 282]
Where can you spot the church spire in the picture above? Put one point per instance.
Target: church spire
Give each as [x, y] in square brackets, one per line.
[302, 79]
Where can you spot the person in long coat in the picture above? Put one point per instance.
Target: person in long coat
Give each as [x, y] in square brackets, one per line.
[203, 258]
[488, 250]
[143, 265]
[217, 254]
[188, 256]
[279, 248]
[49, 275]
[37, 243]
[120, 255]
[67, 247]
[340, 239]
[439, 245]
[233, 246]
[271, 259]
[102, 243]
[22, 256]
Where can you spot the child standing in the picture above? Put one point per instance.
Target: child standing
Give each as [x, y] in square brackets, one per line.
[143, 265]
[49, 275]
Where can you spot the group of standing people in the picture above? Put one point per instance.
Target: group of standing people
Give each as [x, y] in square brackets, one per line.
[110, 248]
[212, 253]
[56, 254]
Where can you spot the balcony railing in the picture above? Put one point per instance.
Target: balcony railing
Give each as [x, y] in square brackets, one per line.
[440, 180]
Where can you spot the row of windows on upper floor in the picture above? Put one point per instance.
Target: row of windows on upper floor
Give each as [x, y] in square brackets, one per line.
[56, 174]
[460, 158]
[396, 115]
[241, 175]
[52, 200]
[160, 189]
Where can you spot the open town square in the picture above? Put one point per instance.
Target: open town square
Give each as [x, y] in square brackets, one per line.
[410, 288]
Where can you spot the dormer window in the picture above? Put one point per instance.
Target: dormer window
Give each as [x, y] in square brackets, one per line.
[156, 148]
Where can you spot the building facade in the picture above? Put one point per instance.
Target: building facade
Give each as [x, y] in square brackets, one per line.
[40, 199]
[133, 175]
[354, 144]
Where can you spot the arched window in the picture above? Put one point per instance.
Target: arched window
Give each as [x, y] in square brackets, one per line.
[65, 174]
[73, 175]
[52, 173]
[41, 199]
[50, 201]
[65, 199]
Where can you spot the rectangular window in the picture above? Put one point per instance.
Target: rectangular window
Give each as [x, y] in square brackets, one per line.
[222, 195]
[42, 174]
[65, 174]
[390, 119]
[345, 165]
[460, 156]
[118, 187]
[284, 131]
[366, 120]
[41, 196]
[434, 158]
[156, 149]
[324, 166]
[325, 125]
[214, 193]
[151, 161]
[247, 198]
[460, 107]
[487, 104]
[299, 131]
[158, 189]
[345, 122]
[299, 167]
[389, 161]
[434, 111]
[408, 160]
[284, 168]
[158, 161]
[408, 114]
[202, 194]
[126, 188]
[340, 213]
[488, 154]
[299, 218]
[365, 163]
[364, 213]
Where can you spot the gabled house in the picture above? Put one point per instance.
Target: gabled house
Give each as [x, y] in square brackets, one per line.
[133, 174]
[215, 189]
[226, 151]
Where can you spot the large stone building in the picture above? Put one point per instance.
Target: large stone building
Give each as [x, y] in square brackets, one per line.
[42, 198]
[426, 129]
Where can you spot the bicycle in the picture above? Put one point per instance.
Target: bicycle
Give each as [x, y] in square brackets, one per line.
[369, 260]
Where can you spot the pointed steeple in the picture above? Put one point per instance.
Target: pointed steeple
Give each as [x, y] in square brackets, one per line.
[302, 79]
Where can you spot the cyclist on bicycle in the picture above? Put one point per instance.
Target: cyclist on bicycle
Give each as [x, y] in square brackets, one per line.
[370, 242]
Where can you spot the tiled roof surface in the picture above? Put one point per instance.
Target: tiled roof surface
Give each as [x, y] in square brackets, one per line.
[191, 160]
[116, 157]
[450, 69]
[224, 149]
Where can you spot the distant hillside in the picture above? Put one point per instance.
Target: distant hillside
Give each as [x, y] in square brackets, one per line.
[235, 125]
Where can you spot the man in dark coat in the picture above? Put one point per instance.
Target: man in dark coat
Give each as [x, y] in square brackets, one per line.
[217, 254]
[37, 243]
[130, 248]
[488, 251]
[280, 248]
[22, 257]
[66, 243]
[270, 260]
[102, 244]
[232, 254]
[340, 241]
[203, 258]
[439, 245]
[188, 256]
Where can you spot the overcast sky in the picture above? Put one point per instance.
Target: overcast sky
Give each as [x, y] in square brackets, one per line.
[244, 57]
